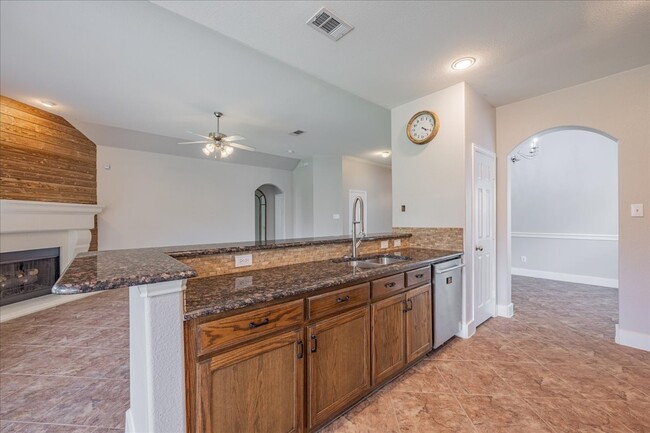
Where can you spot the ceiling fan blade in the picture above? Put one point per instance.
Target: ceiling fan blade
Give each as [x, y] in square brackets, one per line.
[195, 142]
[233, 138]
[198, 135]
[241, 146]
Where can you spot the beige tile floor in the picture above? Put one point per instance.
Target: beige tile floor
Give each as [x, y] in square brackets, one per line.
[552, 368]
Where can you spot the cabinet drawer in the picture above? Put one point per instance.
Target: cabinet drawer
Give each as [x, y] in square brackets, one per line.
[387, 286]
[418, 276]
[327, 303]
[245, 326]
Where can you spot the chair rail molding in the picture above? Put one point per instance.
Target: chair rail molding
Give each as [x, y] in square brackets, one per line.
[575, 236]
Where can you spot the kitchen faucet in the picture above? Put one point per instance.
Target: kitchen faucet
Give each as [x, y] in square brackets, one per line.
[356, 242]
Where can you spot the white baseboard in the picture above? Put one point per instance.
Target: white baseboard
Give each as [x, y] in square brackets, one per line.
[638, 340]
[23, 308]
[569, 278]
[467, 330]
[506, 310]
[128, 422]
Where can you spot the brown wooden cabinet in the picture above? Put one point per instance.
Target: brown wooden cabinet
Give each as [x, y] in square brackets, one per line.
[338, 364]
[291, 367]
[256, 388]
[401, 331]
[419, 329]
[388, 334]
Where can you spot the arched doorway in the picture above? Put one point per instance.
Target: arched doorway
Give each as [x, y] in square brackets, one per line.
[568, 220]
[269, 213]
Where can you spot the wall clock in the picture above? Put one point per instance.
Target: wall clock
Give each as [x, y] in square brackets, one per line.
[422, 127]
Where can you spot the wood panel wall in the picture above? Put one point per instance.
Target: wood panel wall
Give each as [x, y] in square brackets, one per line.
[45, 158]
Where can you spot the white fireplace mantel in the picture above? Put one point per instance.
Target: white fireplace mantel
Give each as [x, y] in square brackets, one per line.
[31, 225]
[28, 225]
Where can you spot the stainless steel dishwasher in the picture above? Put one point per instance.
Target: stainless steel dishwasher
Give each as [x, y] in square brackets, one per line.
[447, 300]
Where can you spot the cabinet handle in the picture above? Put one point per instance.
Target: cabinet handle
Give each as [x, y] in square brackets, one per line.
[339, 300]
[406, 307]
[419, 275]
[410, 304]
[389, 285]
[262, 323]
[314, 346]
[301, 349]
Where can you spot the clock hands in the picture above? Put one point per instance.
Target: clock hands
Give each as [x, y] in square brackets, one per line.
[426, 129]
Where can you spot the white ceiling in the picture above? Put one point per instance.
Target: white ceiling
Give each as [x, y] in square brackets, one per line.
[138, 66]
[402, 50]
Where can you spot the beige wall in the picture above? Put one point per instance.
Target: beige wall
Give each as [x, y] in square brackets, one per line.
[618, 105]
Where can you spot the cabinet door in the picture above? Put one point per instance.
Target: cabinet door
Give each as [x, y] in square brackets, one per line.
[255, 388]
[388, 333]
[338, 364]
[419, 329]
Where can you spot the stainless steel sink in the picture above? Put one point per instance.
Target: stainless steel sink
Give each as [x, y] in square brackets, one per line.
[373, 261]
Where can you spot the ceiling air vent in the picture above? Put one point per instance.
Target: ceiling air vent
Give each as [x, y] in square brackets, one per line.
[297, 132]
[329, 24]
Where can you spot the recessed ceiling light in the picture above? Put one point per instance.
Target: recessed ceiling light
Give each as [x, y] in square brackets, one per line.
[463, 63]
[385, 154]
[48, 104]
[291, 151]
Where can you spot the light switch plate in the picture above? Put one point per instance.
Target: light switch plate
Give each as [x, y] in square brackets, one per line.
[336, 216]
[244, 260]
[397, 242]
[384, 244]
[637, 210]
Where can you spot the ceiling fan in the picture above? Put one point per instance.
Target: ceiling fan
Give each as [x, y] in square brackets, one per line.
[221, 145]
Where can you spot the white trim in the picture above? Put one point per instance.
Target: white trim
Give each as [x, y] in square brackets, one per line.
[29, 306]
[20, 216]
[569, 278]
[128, 422]
[159, 289]
[506, 310]
[484, 151]
[467, 330]
[638, 340]
[576, 236]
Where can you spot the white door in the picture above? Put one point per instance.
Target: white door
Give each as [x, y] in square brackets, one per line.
[484, 224]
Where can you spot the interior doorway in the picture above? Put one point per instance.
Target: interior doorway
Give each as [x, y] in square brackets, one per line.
[563, 207]
[269, 213]
[483, 269]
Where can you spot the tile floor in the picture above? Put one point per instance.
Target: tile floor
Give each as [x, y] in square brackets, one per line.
[552, 368]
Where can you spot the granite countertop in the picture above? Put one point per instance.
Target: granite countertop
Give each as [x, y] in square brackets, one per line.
[104, 270]
[218, 294]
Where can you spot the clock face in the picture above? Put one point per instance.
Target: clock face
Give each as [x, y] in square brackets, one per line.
[422, 127]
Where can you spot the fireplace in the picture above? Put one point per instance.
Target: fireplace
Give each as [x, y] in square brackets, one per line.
[27, 274]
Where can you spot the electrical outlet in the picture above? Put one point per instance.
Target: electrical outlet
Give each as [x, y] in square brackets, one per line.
[523, 259]
[637, 210]
[384, 244]
[244, 260]
[397, 242]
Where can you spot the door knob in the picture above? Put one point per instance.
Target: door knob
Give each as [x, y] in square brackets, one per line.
[479, 248]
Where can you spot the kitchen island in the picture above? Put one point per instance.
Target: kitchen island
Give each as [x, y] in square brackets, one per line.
[200, 328]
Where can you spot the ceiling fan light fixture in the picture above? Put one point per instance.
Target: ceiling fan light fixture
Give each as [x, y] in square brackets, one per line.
[206, 151]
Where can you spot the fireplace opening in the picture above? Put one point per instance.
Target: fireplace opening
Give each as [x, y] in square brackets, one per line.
[27, 274]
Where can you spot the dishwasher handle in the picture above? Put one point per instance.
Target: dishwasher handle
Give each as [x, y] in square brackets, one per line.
[453, 268]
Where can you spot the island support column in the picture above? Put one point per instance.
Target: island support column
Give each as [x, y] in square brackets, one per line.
[156, 358]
